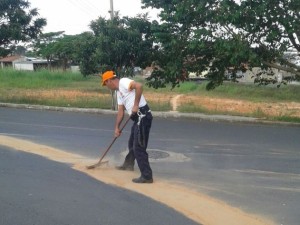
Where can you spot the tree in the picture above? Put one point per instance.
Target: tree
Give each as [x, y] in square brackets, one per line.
[219, 35]
[64, 48]
[44, 45]
[19, 50]
[122, 43]
[86, 53]
[18, 23]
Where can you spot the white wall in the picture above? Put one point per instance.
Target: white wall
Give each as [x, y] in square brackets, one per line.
[23, 66]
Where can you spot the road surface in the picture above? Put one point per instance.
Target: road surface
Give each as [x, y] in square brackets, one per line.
[254, 167]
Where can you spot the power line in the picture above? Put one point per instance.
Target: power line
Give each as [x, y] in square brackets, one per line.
[82, 7]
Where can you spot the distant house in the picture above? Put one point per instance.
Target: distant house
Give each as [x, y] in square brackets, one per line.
[31, 65]
[75, 69]
[10, 61]
[23, 63]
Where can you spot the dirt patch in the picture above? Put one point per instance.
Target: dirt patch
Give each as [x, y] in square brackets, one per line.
[243, 107]
[55, 94]
[175, 102]
[194, 205]
[230, 106]
[158, 97]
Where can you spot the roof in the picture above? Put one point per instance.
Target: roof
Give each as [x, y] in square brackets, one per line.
[11, 58]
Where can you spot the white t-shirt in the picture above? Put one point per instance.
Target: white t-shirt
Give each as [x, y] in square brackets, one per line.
[126, 97]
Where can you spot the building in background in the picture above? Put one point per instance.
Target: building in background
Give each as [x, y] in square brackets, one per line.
[10, 61]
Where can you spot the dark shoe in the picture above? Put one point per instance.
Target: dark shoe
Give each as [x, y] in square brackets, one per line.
[129, 168]
[141, 180]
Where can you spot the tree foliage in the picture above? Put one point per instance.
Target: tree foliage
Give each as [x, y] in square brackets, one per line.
[216, 35]
[64, 49]
[122, 43]
[18, 23]
[119, 44]
[44, 45]
[86, 53]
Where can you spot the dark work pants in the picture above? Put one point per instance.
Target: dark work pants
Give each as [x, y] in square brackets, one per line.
[138, 151]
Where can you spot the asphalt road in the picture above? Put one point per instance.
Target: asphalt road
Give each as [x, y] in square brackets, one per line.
[252, 166]
[34, 190]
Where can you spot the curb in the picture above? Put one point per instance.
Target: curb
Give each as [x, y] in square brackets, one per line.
[170, 114]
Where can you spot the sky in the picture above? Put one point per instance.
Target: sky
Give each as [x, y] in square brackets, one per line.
[74, 16]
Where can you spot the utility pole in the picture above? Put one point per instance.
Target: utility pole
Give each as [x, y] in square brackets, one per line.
[111, 11]
[113, 93]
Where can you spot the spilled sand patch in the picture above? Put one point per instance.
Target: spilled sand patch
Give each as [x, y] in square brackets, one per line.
[194, 205]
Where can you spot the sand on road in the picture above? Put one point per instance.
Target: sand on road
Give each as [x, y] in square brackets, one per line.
[197, 206]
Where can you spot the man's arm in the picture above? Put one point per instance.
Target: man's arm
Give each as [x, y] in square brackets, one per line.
[119, 120]
[138, 93]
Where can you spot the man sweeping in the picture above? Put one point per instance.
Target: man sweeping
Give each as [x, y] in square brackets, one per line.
[130, 98]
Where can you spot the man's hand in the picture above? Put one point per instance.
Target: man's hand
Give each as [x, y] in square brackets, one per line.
[134, 110]
[117, 132]
[134, 116]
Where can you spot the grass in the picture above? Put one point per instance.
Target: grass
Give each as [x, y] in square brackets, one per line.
[160, 105]
[289, 119]
[42, 79]
[260, 93]
[80, 102]
[73, 90]
[192, 108]
[249, 92]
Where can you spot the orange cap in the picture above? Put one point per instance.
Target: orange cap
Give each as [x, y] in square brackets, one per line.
[107, 75]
